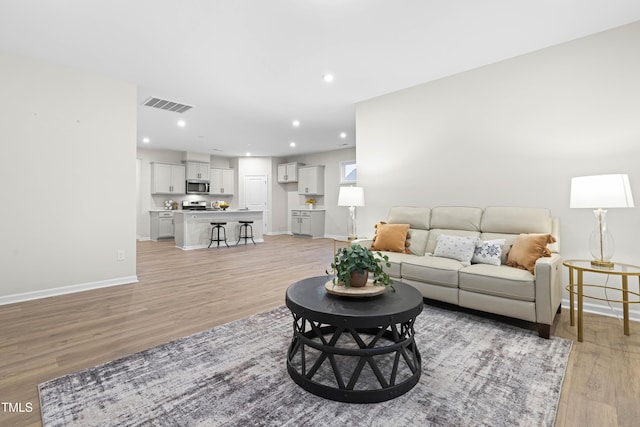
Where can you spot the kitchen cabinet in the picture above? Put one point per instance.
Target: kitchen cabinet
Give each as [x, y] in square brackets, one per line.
[307, 222]
[162, 225]
[222, 181]
[167, 178]
[198, 171]
[311, 180]
[288, 172]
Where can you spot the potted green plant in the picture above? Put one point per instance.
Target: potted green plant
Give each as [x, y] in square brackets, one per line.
[352, 266]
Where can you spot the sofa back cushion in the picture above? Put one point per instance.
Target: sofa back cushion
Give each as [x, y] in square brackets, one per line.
[415, 217]
[507, 222]
[418, 241]
[456, 218]
[418, 220]
[454, 221]
[515, 220]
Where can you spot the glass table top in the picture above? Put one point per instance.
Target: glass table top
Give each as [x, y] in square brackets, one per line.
[618, 268]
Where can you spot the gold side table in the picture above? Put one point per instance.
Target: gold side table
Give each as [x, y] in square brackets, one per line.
[577, 285]
[340, 241]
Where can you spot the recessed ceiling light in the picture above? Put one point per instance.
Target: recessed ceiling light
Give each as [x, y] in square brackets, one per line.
[182, 123]
[292, 144]
[248, 154]
[146, 140]
[328, 78]
[343, 135]
[296, 123]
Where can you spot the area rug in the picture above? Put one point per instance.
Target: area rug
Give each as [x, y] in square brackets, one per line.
[475, 372]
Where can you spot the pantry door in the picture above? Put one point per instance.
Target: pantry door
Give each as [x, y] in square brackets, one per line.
[255, 195]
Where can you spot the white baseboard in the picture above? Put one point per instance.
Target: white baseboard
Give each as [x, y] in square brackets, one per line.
[28, 296]
[604, 310]
[222, 245]
[333, 236]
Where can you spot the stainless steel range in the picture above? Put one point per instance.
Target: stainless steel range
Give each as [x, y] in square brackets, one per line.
[194, 205]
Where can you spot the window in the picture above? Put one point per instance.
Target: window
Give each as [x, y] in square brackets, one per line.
[348, 172]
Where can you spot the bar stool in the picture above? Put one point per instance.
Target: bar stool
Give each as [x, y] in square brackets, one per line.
[217, 226]
[248, 232]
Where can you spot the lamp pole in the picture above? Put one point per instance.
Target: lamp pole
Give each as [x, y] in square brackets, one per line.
[352, 220]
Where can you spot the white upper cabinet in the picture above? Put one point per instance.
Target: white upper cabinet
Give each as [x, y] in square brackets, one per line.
[167, 179]
[311, 180]
[197, 170]
[288, 172]
[222, 181]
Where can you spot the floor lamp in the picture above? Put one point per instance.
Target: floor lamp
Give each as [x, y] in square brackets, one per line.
[598, 192]
[352, 197]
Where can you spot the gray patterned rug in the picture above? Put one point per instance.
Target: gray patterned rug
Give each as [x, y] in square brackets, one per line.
[475, 371]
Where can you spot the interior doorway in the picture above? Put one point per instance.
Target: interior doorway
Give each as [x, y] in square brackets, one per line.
[255, 196]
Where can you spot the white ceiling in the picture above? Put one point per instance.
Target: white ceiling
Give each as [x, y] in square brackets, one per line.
[250, 67]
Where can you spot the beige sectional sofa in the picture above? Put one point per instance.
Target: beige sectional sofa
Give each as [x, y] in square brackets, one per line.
[498, 289]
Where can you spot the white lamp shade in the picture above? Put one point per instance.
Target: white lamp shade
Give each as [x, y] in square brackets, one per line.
[601, 191]
[351, 196]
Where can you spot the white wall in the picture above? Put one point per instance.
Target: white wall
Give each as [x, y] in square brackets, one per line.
[513, 134]
[67, 164]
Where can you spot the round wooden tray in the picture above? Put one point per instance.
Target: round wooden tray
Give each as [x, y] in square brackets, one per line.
[370, 290]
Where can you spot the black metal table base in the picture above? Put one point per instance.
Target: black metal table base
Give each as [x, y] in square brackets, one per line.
[389, 351]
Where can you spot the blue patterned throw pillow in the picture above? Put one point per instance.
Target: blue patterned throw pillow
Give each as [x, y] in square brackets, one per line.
[488, 252]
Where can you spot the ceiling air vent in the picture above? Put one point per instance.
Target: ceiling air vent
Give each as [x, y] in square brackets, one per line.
[164, 104]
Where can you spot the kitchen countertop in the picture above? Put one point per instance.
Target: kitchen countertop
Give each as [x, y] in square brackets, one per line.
[193, 228]
[201, 211]
[214, 211]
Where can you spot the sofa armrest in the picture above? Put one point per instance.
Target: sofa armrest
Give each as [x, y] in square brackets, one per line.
[548, 275]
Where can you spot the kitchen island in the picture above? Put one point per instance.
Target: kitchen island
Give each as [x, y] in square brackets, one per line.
[193, 228]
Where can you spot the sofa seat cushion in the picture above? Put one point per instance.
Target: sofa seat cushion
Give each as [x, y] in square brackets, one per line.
[498, 280]
[432, 269]
[395, 259]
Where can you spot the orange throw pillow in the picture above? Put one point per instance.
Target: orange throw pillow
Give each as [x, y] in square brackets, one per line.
[391, 237]
[526, 250]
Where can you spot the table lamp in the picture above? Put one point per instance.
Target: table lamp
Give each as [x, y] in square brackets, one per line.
[352, 197]
[598, 192]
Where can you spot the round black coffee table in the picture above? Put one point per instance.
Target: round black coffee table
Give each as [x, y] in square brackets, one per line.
[357, 350]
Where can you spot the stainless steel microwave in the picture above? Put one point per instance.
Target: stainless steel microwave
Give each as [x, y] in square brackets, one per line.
[197, 187]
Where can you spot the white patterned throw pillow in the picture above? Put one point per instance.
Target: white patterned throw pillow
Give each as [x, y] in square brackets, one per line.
[460, 248]
[488, 252]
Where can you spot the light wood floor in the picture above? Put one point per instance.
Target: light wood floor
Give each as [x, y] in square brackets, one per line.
[182, 292]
